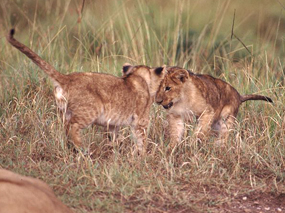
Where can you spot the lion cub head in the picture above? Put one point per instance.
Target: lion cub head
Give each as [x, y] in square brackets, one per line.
[152, 76]
[171, 87]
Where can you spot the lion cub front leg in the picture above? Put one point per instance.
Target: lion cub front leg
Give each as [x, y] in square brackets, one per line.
[72, 129]
[175, 129]
[140, 134]
[139, 128]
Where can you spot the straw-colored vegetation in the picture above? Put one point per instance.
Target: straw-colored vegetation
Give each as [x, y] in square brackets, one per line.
[247, 175]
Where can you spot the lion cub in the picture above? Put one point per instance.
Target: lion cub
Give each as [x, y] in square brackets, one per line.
[102, 99]
[20, 194]
[212, 101]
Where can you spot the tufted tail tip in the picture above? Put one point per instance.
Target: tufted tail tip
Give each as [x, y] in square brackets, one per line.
[12, 32]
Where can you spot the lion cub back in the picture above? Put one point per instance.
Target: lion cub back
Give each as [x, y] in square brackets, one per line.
[19, 194]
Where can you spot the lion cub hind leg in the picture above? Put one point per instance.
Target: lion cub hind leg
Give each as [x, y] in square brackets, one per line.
[225, 124]
[223, 127]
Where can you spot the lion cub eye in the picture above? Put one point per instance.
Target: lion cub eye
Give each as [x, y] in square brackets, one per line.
[167, 88]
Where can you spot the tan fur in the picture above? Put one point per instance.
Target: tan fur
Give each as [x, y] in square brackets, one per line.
[102, 99]
[19, 194]
[212, 101]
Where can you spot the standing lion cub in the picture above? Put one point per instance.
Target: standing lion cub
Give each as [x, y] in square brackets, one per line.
[212, 101]
[102, 99]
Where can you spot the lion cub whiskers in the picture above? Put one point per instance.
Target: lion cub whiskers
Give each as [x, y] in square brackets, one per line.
[213, 102]
[102, 99]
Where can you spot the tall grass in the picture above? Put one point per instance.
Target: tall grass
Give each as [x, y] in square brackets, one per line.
[105, 177]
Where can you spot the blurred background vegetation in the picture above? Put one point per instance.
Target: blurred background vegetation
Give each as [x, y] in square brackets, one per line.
[152, 32]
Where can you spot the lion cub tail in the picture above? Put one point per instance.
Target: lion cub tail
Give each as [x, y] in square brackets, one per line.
[49, 69]
[244, 98]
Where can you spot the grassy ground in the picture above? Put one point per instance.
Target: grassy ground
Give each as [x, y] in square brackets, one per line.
[247, 175]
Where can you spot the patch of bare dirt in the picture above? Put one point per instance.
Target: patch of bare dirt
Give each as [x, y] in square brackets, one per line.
[256, 202]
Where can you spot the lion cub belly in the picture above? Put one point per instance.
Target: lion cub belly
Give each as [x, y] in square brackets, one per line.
[114, 119]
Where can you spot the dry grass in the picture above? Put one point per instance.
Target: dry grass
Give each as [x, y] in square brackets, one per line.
[105, 177]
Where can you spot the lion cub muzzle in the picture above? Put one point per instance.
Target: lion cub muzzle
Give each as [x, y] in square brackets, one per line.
[168, 106]
[160, 101]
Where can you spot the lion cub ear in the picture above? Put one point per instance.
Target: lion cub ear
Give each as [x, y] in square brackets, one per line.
[127, 69]
[180, 76]
[160, 70]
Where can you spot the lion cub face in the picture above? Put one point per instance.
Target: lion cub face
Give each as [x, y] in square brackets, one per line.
[170, 90]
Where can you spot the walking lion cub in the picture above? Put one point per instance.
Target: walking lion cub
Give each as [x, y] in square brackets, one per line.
[212, 101]
[102, 99]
